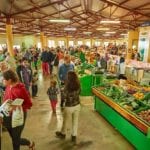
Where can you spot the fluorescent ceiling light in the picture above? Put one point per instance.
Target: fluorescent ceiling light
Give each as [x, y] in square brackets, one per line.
[106, 34]
[87, 32]
[123, 34]
[111, 32]
[110, 21]
[60, 20]
[70, 29]
[2, 29]
[102, 29]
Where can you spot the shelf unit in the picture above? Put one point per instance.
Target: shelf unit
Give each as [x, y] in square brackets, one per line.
[136, 131]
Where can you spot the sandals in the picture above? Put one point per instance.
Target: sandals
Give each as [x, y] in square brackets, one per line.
[32, 146]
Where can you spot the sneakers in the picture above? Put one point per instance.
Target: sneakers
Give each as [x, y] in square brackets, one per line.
[60, 135]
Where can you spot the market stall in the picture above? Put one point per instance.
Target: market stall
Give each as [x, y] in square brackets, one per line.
[128, 113]
[135, 70]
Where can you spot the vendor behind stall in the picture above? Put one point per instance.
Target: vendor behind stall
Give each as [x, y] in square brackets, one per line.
[122, 66]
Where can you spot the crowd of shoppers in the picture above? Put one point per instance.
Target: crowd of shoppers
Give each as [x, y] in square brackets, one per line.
[53, 62]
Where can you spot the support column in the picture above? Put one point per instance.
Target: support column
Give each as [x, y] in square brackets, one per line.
[9, 37]
[35, 41]
[133, 37]
[45, 41]
[91, 41]
[67, 42]
[42, 40]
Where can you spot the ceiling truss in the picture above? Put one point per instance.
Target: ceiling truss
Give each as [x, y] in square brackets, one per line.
[85, 15]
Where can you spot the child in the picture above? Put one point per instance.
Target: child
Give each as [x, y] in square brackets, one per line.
[34, 84]
[52, 93]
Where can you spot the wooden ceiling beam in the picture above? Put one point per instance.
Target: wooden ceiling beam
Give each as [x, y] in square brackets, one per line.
[144, 8]
[53, 14]
[113, 11]
[123, 7]
[74, 13]
[85, 4]
[124, 2]
[70, 18]
[60, 11]
[99, 11]
[132, 26]
[38, 7]
[145, 4]
[130, 12]
[11, 6]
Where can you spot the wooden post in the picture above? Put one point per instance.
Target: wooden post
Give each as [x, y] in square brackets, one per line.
[42, 40]
[9, 37]
[133, 37]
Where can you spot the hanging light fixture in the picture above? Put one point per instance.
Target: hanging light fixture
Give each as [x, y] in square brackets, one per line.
[60, 19]
[110, 21]
[87, 32]
[125, 34]
[112, 32]
[102, 29]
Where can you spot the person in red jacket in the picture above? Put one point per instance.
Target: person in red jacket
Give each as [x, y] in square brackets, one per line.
[14, 90]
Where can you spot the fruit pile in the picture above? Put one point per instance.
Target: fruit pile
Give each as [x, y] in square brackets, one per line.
[145, 115]
[138, 95]
[135, 100]
[147, 89]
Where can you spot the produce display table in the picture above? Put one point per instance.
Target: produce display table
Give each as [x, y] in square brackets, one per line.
[86, 84]
[135, 130]
[97, 79]
[85, 76]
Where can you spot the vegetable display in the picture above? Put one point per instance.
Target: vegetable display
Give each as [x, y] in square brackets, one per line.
[138, 103]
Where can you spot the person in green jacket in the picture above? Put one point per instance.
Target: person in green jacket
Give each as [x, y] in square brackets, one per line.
[82, 56]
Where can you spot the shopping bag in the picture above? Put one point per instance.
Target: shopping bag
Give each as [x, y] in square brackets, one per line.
[17, 117]
[52, 63]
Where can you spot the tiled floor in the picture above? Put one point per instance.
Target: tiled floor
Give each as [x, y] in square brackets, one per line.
[94, 131]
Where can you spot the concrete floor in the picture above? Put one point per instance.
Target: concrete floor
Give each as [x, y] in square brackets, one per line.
[94, 131]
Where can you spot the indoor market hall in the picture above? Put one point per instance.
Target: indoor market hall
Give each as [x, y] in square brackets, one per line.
[74, 74]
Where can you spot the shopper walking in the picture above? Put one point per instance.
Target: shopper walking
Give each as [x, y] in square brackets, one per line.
[55, 64]
[14, 90]
[50, 60]
[72, 106]
[45, 59]
[64, 68]
[34, 84]
[52, 93]
[25, 73]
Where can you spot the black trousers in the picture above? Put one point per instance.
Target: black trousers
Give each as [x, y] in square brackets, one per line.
[15, 133]
[34, 90]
